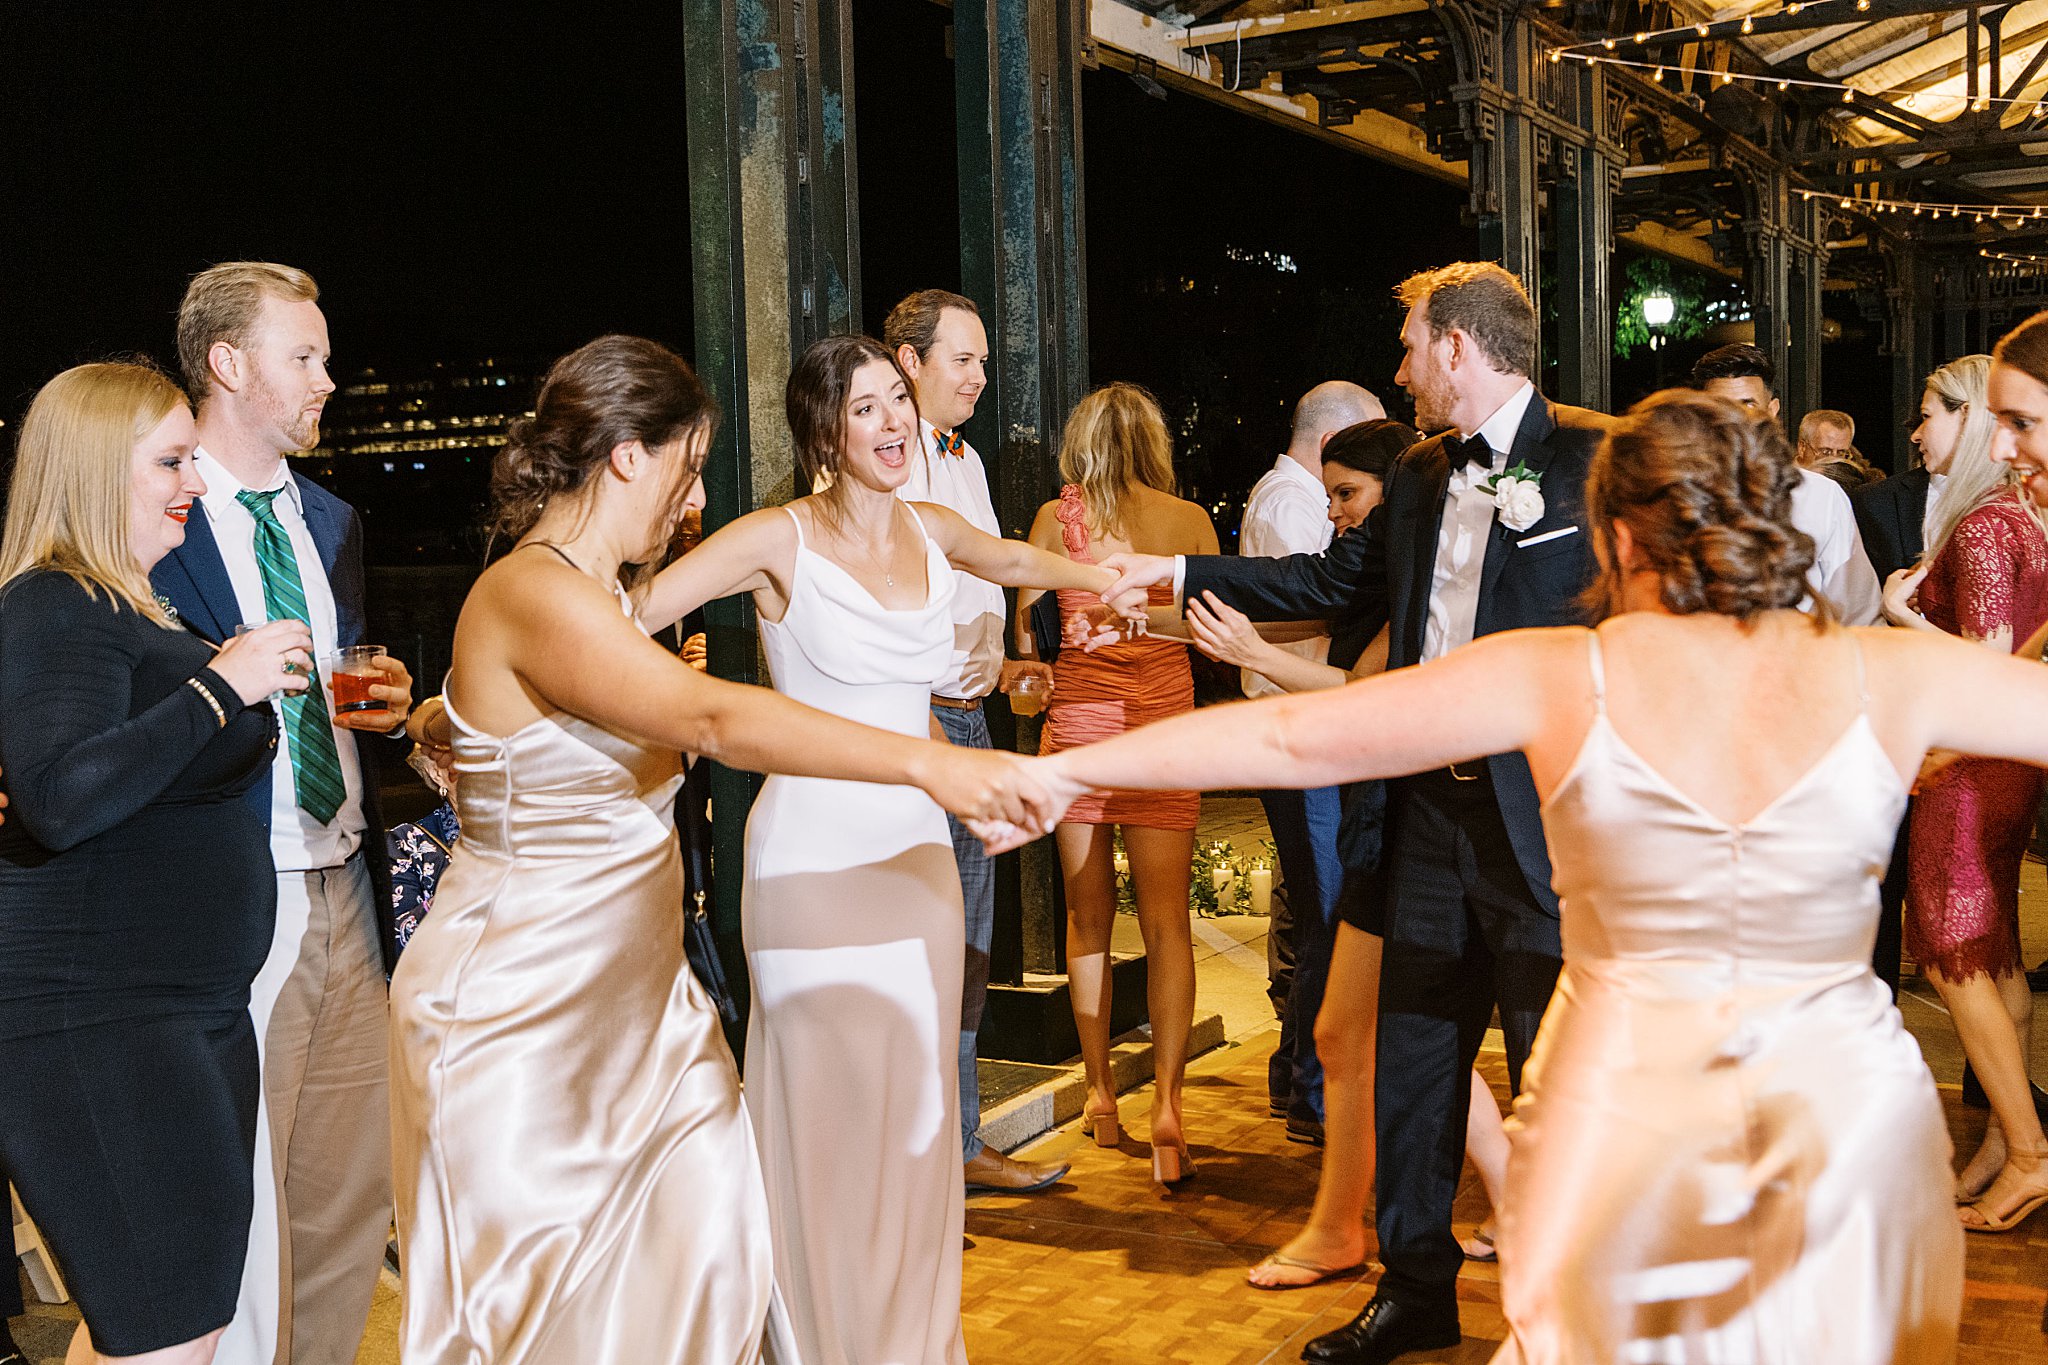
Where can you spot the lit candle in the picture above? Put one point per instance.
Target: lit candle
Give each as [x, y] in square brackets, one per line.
[1221, 877]
[1262, 890]
[1123, 864]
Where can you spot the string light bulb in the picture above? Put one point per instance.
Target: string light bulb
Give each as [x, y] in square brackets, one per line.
[1848, 95]
[1748, 24]
[1700, 29]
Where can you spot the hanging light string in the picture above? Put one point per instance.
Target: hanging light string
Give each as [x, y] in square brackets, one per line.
[1705, 28]
[1848, 93]
[1996, 213]
[2014, 258]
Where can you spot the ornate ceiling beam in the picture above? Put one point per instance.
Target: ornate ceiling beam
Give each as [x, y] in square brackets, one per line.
[1808, 19]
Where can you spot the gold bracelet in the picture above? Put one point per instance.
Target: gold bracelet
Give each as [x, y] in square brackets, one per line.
[210, 699]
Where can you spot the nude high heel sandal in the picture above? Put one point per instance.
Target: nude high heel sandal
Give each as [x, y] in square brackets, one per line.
[1108, 1132]
[1171, 1165]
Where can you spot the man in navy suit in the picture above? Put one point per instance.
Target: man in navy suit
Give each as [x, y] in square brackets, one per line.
[1482, 529]
[253, 346]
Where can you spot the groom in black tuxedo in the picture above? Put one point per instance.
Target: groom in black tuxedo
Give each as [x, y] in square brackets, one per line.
[1482, 529]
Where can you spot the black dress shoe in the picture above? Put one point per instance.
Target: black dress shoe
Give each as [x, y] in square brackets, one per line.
[1385, 1330]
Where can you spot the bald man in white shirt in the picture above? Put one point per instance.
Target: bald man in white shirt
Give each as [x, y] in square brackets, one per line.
[1288, 513]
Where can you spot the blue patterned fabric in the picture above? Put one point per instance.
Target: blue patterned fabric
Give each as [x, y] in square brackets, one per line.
[419, 854]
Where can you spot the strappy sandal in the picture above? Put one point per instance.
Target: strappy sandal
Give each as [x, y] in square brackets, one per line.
[1318, 1274]
[2021, 1211]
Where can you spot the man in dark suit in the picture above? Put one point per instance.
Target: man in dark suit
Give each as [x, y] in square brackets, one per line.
[270, 545]
[1891, 516]
[1482, 529]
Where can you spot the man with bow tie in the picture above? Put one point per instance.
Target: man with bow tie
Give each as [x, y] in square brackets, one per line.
[939, 341]
[1482, 529]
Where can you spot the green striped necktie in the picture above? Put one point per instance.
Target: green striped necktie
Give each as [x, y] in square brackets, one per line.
[316, 767]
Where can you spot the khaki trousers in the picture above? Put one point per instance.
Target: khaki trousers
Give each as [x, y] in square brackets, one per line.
[325, 1081]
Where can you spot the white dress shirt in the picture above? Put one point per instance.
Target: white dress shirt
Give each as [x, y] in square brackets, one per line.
[1841, 570]
[298, 842]
[1461, 540]
[1288, 513]
[960, 484]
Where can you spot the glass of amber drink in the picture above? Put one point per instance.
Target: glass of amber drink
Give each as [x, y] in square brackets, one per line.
[350, 676]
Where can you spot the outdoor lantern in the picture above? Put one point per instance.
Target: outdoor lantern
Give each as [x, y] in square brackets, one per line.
[1657, 309]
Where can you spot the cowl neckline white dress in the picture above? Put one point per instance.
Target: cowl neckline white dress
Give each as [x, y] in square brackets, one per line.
[1728, 1149]
[856, 945]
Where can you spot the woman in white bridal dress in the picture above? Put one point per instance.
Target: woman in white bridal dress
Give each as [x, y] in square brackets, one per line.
[576, 1177]
[1727, 1147]
[853, 921]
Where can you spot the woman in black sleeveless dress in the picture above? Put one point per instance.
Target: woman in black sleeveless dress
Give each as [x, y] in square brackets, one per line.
[136, 892]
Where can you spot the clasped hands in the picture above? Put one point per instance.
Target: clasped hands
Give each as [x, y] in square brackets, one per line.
[1006, 800]
[1122, 613]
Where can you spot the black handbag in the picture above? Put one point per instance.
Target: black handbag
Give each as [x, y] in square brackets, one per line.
[699, 942]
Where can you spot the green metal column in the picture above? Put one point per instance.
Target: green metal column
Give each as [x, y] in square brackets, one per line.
[1767, 271]
[1508, 215]
[1807, 260]
[774, 256]
[1908, 339]
[1584, 201]
[1023, 261]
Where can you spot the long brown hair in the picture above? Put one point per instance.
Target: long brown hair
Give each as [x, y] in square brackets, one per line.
[1705, 489]
[815, 402]
[1115, 441]
[600, 396]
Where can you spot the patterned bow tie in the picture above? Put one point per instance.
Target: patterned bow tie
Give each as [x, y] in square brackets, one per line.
[950, 443]
[1472, 451]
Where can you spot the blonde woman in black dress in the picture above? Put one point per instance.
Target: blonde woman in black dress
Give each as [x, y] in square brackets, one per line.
[135, 886]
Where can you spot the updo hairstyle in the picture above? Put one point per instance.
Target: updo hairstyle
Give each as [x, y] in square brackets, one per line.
[600, 396]
[1705, 488]
[815, 400]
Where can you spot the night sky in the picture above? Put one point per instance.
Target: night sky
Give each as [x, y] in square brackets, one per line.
[467, 180]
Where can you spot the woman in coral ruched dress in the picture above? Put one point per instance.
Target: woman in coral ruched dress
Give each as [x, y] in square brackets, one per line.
[1116, 462]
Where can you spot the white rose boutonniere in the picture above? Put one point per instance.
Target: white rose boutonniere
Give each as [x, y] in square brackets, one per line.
[1518, 496]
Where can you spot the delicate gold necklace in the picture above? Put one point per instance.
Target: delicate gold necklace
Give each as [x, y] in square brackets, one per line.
[879, 562]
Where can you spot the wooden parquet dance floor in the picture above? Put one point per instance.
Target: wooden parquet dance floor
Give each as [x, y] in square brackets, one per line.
[1107, 1268]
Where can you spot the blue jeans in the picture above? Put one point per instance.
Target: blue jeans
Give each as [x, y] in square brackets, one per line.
[969, 730]
[1304, 825]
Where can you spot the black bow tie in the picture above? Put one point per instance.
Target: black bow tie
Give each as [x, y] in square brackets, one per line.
[1471, 451]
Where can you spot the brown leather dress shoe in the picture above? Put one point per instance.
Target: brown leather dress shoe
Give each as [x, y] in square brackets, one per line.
[990, 1172]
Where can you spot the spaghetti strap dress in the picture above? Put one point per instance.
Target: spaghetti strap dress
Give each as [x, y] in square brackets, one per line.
[1117, 688]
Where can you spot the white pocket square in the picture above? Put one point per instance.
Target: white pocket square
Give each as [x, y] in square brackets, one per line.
[1559, 534]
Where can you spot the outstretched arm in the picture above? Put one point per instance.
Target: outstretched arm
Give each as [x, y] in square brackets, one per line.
[1014, 563]
[736, 558]
[1406, 721]
[1319, 585]
[578, 654]
[1964, 697]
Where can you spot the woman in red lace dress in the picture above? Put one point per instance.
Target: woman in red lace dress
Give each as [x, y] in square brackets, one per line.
[1117, 464]
[1985, 578]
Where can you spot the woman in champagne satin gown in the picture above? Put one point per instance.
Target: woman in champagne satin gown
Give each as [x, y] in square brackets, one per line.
[1727, 1149]
[576, 1173]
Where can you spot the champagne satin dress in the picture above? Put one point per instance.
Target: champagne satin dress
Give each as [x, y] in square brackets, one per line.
[856, 943]
[1728, 1149]
[576, 1178]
